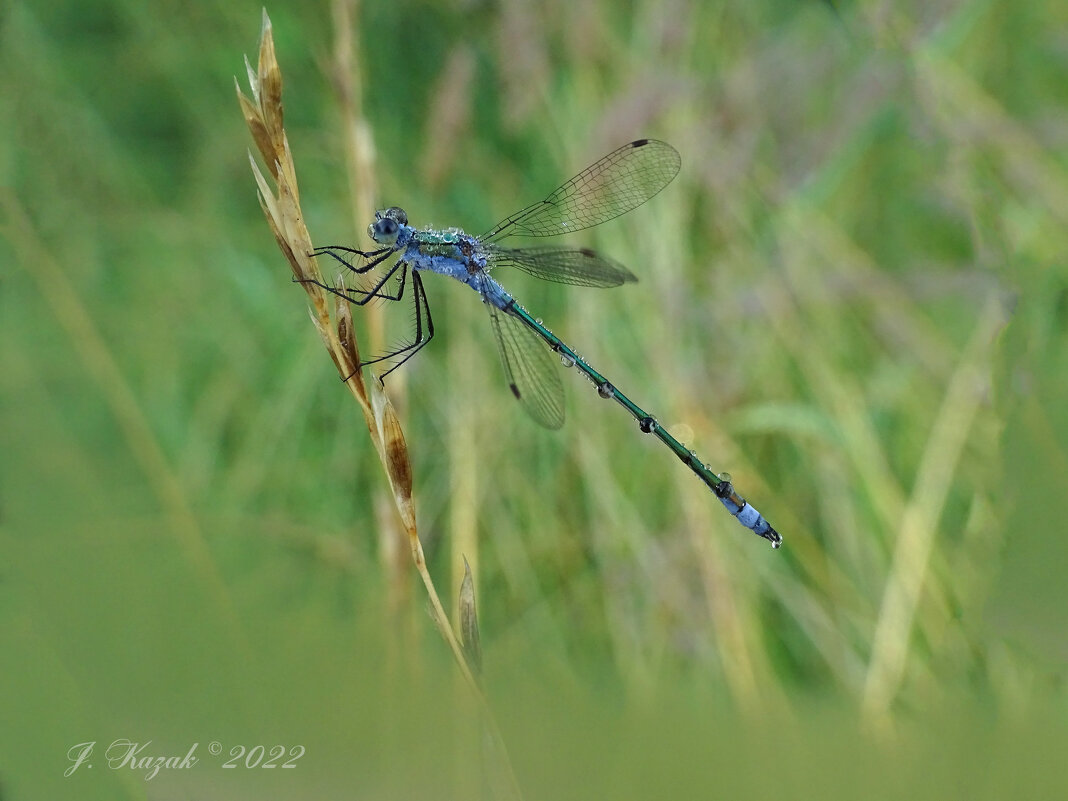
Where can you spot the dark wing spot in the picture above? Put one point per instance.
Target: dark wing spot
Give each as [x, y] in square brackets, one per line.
[640, 142]
[589, 254]
[515, 390]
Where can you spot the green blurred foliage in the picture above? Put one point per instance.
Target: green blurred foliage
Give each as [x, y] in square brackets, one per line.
[854, 298]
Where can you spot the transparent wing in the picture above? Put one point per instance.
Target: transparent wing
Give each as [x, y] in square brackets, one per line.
[533, 375]
[576, 266]
[621, 181]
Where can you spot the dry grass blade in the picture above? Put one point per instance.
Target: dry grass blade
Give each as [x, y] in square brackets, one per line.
[394, 453]
[264, 116]
[469, 621]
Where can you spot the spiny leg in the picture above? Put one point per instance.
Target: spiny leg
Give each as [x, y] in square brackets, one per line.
[424, 323]
[424, 328]
[349, 294]
[376, 257]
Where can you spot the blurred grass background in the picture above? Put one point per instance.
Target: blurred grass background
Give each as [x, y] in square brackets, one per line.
[854, 298]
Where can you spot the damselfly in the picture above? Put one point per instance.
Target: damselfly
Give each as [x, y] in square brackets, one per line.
[621, 181]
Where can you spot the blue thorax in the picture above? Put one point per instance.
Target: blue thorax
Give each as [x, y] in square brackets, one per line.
[451, 253]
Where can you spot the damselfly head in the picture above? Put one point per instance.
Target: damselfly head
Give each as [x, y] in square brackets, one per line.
[386, 227]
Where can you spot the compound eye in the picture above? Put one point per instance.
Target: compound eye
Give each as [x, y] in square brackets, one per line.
[385, 231]
[398, 214]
